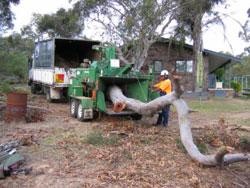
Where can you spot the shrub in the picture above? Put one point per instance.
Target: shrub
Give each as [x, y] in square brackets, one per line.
[5, 87]
[236, 86]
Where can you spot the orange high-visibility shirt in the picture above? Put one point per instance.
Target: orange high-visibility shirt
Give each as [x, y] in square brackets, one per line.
[164, 85]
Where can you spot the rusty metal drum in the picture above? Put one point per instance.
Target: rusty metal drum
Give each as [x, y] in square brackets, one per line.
[16, 107]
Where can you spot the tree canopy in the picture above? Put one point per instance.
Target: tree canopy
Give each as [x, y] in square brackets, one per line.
[190, 23]
[6, 15]
[63, 23]
[190, 13]
[134, 25]
[245, 34]
[243, 68]
[14, 53]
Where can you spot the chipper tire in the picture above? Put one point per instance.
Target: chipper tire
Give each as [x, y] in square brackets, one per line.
[74, 107]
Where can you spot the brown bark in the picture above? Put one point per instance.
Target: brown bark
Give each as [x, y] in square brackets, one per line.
[220, 158]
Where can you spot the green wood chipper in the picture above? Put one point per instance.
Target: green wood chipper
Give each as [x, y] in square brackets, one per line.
[89, 84]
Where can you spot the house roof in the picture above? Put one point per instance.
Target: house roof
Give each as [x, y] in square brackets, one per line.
[215, 59]
[218, 59]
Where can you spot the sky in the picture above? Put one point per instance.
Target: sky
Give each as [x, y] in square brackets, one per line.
[213, 39]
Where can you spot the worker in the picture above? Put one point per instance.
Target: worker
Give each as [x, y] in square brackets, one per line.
[163, 87]
[85, 64]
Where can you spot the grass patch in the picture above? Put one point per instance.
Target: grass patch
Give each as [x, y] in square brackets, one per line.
[220, 105]
[96, 138]
[243, 122]
[201, 146]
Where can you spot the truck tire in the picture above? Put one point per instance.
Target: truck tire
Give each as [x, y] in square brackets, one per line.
[33, 88]
[48, 97]
[80, 115]
[74, 107]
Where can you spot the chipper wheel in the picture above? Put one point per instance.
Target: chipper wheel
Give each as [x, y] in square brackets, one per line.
[73, 107]
[84, 114]
[80, 115]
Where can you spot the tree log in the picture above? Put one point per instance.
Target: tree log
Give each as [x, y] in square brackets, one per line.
[220, 158]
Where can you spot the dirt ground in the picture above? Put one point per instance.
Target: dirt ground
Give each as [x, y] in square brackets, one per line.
[119, 152]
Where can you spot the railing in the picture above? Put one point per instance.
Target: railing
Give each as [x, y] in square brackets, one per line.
[244, 81]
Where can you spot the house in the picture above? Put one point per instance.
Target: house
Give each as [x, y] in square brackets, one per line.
[179, 58]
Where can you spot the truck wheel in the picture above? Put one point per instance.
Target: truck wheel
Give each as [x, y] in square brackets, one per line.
[48, 97]
[33, 88]
[80, 115]
[74, 107]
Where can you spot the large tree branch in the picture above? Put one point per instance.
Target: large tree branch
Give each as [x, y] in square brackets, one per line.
[220, 158]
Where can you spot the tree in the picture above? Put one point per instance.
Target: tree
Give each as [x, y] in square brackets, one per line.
[63, 23]
[14, 53]
[189, 17]
[242, 68]
[245, 34]
[6, 16]
[133, 25]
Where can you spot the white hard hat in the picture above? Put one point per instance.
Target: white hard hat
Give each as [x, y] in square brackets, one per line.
[164, 73]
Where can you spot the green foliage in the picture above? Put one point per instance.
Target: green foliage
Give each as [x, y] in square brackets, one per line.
[5, 87]
[63, 23]
[220, 72]
[190, 12]
[97, 139]
[245, 34]
[202, 148]
[137, 26]
[242, 68]
[14, 53]
[236, 86]
[6, 16]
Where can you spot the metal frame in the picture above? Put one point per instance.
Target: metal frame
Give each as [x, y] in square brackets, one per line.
[244, 80]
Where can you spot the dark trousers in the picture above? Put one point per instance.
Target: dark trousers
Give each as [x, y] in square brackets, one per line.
[163, 116]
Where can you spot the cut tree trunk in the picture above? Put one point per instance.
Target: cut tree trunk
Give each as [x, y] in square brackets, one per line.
[220, 158]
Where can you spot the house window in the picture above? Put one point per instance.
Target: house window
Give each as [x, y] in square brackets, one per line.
[184, 66]
[157, 66]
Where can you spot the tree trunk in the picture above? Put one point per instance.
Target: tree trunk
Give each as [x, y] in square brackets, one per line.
[198, 67]
[220, 158]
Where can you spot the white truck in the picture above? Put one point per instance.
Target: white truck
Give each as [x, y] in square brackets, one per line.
[53, 63]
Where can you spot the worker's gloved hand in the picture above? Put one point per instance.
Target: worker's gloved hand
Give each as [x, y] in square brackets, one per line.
[162, 93]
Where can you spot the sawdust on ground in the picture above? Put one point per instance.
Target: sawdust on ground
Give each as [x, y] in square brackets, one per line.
[140, 155]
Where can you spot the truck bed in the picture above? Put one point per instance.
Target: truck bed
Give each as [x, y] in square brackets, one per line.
[48, 76]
